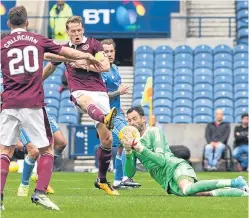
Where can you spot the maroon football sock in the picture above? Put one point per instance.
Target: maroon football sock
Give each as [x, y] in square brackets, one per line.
[44, 171]
[4, 163]
[104, 158]
[95, 113]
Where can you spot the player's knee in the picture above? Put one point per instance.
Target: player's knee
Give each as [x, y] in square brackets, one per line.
[49, 149]
[61, 143]
[106, 141]
[7, 150]
[33, 153]
[84, 101]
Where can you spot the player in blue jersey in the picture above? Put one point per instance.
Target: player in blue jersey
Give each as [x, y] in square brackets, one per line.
[115, 89]
[33, 154]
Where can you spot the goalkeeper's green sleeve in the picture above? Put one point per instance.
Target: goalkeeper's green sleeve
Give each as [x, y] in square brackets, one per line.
[157, 158]
[130, 165]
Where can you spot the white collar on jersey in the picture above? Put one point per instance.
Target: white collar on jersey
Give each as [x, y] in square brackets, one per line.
[18, 30]
[83, 41]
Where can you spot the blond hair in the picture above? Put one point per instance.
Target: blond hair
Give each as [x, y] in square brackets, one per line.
[74, 19]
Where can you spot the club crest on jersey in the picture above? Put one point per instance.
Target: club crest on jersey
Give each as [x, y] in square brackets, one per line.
[85, 47]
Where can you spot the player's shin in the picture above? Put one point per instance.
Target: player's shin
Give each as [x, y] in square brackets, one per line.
[95, 113]
[205, 185]
[44, 170]
[104, 158]
[229, 192]
[4, 163]
[28, 166]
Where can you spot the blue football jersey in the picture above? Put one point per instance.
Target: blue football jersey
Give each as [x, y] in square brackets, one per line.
[112, 80]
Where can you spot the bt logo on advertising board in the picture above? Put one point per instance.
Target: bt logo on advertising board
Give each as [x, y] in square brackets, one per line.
[93, 16]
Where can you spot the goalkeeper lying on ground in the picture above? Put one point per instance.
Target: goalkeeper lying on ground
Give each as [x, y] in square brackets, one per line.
[174, 175]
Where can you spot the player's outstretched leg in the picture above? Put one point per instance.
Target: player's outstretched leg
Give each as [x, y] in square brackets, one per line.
[209, 185]
[229, 192]
[44, 170]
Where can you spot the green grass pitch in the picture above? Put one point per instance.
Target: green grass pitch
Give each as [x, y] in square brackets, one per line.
[76, 197]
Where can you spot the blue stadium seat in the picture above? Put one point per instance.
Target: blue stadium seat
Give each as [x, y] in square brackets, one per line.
[237, 119]
[183, 79]
[138, 87]
[241, 57]
[144, 57]
[240, 110]
[242, 102]
[203, 72]
[182, 119]
[228, 119]
[223, 79]
[242, 14]
[203, 64]
[242, 23]
[182, 111]
[203, 87]
[241, 87]
[183, 57]
[204, 57]
[162, 103]
[164, 57]
[240, 64]
[203, 94]
[136, 102]
[183, 95]
[164, 64]
[241, 79]
[162, 111]
[227, 110]
[66, 103]
[242, 33]
[163, 80]
[163, 87]
[203, 119]
[203, 103]
[203, 111]
[183, 87]
[137, 94]
[223, 94]
[65, 94]
[58, 72]
[143, 72]
[44, 63]
[183, 49]
[163, 72]
[223, 57]
[52, 102]
[223, 64]
[183, 103]
[47, 87]
[241, 5]
[62, 67]
[183, 72]
[145, 64]
[146, 110]
[140, 79]
[203, 79]
[240, 49]
[70, 119]
[240, 72]
[164, 119]
[241, 94]
[223, 102]
[52, 94]
[222, 49]
[203, 49]
[68, 111]
[163, 95]
[52, 111]
[223, 87]
[163, 49]
[223, 72]
[183, 64]
[144, 50]
[53, 80]
[243, 41]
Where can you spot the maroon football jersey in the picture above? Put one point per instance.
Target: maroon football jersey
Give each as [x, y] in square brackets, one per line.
[79, 79]
[22, 66]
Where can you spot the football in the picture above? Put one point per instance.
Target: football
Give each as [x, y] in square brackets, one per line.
[13, 167]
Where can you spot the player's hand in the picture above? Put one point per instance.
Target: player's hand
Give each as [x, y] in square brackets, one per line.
[83, 64]
[123, 89]
[129, 137]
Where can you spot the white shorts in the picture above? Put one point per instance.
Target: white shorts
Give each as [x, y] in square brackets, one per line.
[101, 100]
[34, 121]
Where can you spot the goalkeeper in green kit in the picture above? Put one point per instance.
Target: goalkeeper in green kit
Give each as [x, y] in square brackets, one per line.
[175, 175]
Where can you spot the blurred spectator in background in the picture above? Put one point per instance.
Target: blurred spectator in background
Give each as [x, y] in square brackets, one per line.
[217, 134]
[240, 152]
[59, 15]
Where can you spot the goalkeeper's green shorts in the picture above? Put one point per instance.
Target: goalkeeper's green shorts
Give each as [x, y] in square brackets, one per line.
[182, 171]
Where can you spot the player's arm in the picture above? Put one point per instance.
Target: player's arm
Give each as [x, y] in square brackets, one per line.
[103, 59]
[56, 58]
[130, 165]
[48, 70]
